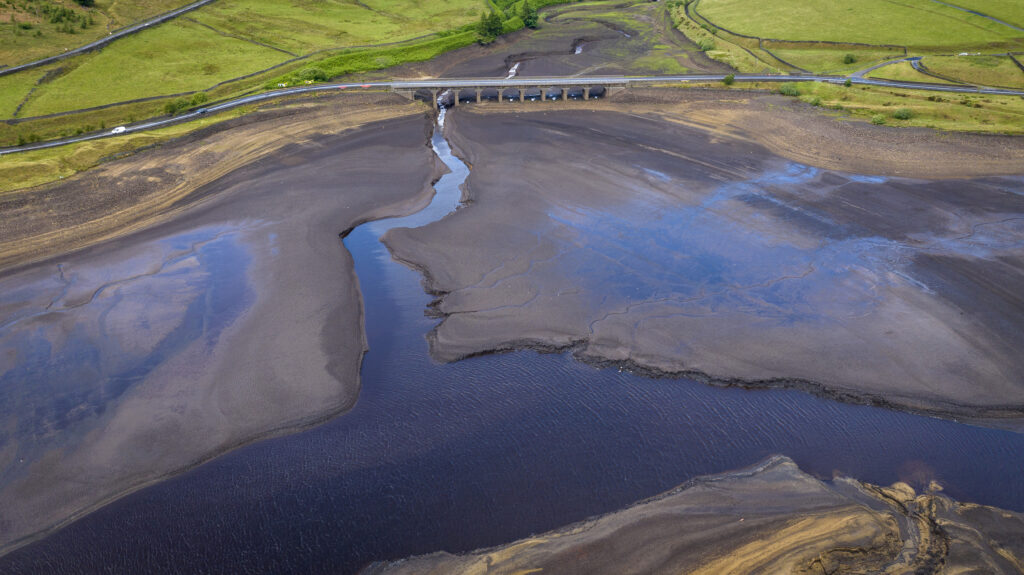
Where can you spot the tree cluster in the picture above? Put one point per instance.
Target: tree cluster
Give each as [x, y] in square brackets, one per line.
[489, 27]
[528, 14]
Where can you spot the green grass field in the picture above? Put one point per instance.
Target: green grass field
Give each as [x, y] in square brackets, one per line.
[958, 112]
[44, 38]
[302, 26]
[14, 91]
[831, 61]
[223, 42]
[179, 56]
[1009, 11]
[981, 70]
[914, 23]
[904, 72]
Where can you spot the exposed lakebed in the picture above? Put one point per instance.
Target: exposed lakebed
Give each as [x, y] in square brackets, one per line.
[492, 448]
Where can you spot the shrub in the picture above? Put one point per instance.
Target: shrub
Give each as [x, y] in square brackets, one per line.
[848, 83]
[198, 98]
[528, 14]
[706, 44]
[789, 89]
[512, 24]
[849, 59]
[903, 114]
[489, 27]
[878, 119]
[312, 74]
[176, 106]
[814, 101]
[728, 80]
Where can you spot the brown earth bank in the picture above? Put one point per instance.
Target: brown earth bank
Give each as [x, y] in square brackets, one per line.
[221, 307]
[772, 518]
[711, 236]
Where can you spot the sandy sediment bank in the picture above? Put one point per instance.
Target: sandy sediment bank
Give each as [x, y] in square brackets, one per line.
[771, 518]
[679, 239]
[219, 308]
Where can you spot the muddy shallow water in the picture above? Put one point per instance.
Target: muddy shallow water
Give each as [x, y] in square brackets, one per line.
[492, 448]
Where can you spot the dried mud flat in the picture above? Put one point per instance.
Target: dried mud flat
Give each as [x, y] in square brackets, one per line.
[222, 307]
[704, 234]
[772, 518]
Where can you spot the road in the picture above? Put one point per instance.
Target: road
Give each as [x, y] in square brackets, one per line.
[120, 33]
[518, 82]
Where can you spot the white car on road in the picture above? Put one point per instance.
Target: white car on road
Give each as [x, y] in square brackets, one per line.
[118, 130]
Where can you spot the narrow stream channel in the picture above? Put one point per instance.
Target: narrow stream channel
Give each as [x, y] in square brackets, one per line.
[487, 450]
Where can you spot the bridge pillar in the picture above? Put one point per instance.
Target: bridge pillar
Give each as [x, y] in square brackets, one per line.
[586, 92]
[565, 94]
[455, 102]
[479, 92]
[522, 94]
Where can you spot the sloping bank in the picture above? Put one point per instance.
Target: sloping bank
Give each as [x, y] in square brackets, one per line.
[210, 302]
[671, 240]
[722, 524]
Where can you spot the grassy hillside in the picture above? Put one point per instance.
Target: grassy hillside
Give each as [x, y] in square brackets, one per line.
[913, 23]
[898, 107]
[825, 36]
[34, 29]
[1009, 11]
[985, 70]
[302, 26]
[233, 38]
[179, 56]
[904, 72]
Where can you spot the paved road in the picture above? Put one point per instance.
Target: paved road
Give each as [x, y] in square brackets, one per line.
[120, 33]
[866, 71]
[518, 82]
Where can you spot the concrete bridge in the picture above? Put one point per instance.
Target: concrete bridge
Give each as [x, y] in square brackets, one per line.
[455, 91]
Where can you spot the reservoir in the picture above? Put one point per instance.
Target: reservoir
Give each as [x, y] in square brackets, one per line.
[490, 449]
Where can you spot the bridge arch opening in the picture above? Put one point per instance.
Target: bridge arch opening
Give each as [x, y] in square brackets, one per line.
[467, 95]
[424, 95]
[553, 94]
[598, 92]
[490, 94]
[446, 98]
[534, 94]
[510, 94]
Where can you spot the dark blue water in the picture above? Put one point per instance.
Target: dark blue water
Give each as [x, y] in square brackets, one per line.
[491, 449]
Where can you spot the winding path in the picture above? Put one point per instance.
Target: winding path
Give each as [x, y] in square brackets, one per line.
[506, 83]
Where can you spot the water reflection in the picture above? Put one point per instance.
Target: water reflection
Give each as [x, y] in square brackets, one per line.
[493, 448]
[91, 331]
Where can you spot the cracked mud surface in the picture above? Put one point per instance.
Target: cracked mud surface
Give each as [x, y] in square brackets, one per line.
[721, 524]
[677, 249]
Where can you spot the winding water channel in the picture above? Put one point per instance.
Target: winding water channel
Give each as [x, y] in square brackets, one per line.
[490, 449]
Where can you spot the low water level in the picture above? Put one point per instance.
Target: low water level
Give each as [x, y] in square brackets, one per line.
[491, 449]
